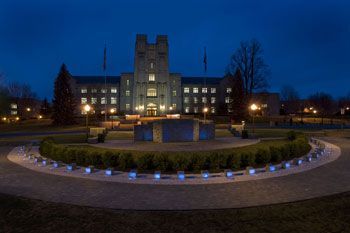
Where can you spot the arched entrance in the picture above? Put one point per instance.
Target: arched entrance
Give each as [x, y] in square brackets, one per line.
[151, 109]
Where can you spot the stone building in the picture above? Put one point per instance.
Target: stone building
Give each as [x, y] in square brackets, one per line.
[153, 90]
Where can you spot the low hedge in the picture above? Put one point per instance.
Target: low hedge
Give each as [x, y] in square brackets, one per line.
[235, 158]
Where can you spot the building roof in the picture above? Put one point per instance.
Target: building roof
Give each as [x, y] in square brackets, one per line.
[96, 79]
[201, 80]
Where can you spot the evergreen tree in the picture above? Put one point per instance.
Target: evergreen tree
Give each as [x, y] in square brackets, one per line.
[63, 101]
[45, 108]
[238, 103]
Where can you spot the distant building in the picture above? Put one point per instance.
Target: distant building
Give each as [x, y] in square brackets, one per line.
[153, 90]
[24, 108]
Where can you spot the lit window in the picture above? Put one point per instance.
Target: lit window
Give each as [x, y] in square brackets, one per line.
[195, 109]
[195, 90]
[212, 110]
[83, 100]
[195, 100]
[94, 90]
[228, 90]
[186, 100]
[83, 90]
[127, 93]
[152, 92]
[212, 100]
[151, 77]
[127, 106]
[113, 90]
[186, 90]
[152, 65]
[127, 82]
[93, 100]
[204, 90]
[103, 100]
[213, 90]
[187, 109]
[227, 100]
[13, 112]
[264, 105]
[174, 106]
[174, 93]
[204, 99]
[113, 100]
[14, 106]
[103, 90]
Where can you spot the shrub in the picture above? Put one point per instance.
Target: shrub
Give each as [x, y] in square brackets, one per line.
[275, 153]
[262, 156]
[110, 159]
[145, 161]
[94, 158]
[126, 161]
[162, 162]
[245, 134]
[180, 162]
[101, 137]
[247, 159]
[235, 161]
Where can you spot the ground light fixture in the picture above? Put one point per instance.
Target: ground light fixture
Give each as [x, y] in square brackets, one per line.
[109, 171]
[89, 169]
[285, 165]
[205, 174]
[308, 158]
[181, 175]
[251, 171]
[56, 164]
[132, 174]
[71, 167]
[298, 162]
[229, 174]
[270, 168]
[157, 175]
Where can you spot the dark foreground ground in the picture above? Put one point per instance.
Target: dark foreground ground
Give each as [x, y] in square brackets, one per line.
[326, 214]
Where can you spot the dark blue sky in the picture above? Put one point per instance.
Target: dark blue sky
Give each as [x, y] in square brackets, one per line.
[306, 43]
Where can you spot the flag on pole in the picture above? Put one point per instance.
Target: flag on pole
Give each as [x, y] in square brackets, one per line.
[205, 59]
[105, 58]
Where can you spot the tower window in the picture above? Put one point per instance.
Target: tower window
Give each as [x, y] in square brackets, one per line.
[195, 90]
[151, 77]
[186, 90]
[151, 92]
[127, 93]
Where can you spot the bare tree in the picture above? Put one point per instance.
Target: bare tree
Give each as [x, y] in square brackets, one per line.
[324, 104]
[248, 58]
[290, 96]
[18, 90]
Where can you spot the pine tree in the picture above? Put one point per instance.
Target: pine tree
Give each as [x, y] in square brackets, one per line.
[238, 103]
[45, 108]
[63, 101]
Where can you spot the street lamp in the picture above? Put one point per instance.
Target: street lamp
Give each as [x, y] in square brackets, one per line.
[205, 110]
[112, 112]
[87, 109]
[253, 107]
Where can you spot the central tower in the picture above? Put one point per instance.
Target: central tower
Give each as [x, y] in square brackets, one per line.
[151, 76]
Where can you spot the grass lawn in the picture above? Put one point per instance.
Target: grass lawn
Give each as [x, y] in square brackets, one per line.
[326, 214]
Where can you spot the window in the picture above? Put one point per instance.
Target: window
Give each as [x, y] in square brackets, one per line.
[13, 112]
[151, 77]
[227, 100]
[187, 109]
[151, 92]
[113, 90]
[204, 100]
[94, 90]
[195, 90]
[228, 90]
[186, 100]
[174, 93]
[152, 65]
[204, 90]
[127, 93]
[212, 100]
[83, 90]
[93, 100]
[264, 105]
[103, 100]
[103, 90]
[195, 100]
[195, 109]
[127, 82]
[113, 100]
[14, 106]
[186, 90]
[212, 110]
[127, 106]
[174, 106]
[83, 100]
[213, 90]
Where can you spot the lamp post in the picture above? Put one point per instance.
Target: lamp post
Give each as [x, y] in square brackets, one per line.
[205, 110]
[87, 109]
[112, 111]
[253, 107]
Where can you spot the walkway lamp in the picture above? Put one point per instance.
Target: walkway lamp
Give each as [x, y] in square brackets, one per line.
[112, 111]
[253, 107]
[205, 110]
[87, 109]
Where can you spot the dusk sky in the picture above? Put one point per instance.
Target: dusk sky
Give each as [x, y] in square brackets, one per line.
[306, 43]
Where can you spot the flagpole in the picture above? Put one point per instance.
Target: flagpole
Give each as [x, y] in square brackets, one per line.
[105, 74]
[205, 109]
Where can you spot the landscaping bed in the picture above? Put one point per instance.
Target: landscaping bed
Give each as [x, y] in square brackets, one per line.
[269, 151]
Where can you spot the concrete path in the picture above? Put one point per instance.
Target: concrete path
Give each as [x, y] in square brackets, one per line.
[218, 143]
[328, 179]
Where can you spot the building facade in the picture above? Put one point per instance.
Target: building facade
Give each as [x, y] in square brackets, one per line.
[152, 90]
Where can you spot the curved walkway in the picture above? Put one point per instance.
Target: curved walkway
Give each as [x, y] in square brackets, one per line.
[328, 179]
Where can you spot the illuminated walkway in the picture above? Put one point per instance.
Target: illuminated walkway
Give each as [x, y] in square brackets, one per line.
[328, 179]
